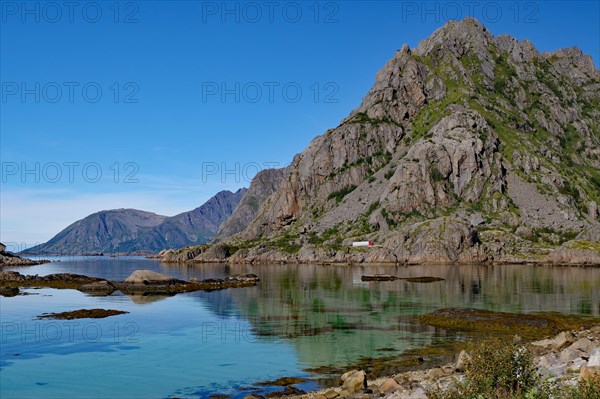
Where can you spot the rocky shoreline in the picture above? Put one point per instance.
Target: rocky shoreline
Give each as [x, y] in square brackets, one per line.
[565, 360]
[10, 259]
[140, 282]
[572, 253]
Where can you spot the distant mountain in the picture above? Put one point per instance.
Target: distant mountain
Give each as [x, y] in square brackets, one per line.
[129, 230]
[199, 225]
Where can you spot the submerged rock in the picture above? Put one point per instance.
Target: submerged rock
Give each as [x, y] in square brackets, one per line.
[529, 326]
[140, 282]
[425, 279]
[103, 287]
[289, 390]
[379, 277]
[9, 291]
[82, 314]
[284, 381]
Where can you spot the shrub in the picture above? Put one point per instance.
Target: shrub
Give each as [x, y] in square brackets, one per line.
[373, 207]
[499, 369]
[340, 194]
[595, 179]
[587, 389]
[436, 175]
[568, 189]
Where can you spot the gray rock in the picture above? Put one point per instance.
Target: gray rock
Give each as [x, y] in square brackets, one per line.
[354, 381]
[148, 277]
[594, 360]
[461, 363]
[523, 231]
[583, 344]
[563, 340]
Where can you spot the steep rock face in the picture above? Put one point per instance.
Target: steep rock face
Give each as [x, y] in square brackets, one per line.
[128, 230]
[477, 129]
[459, 161]
[441, 240]
[265, 183]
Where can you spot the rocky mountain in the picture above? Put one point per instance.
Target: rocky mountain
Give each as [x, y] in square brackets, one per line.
[129, 230]
[469, 148]
[199, 225]
[265, 183]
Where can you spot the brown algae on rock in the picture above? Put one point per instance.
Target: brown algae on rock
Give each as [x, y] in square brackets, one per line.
[424, 279]
[284, 381]
[82, 314]
[485, 322]
[388, 277]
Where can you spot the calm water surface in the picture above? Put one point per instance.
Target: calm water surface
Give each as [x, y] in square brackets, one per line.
[299, 317]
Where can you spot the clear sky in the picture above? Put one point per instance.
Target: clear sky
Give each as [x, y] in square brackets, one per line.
[159, 105]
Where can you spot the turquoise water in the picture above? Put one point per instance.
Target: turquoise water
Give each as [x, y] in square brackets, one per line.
[299, 317]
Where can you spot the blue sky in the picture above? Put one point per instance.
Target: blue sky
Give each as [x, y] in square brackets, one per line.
[174, 101]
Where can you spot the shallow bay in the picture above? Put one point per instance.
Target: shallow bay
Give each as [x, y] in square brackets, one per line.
[298, 317]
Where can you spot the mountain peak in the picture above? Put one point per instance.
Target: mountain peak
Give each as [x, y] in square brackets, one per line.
[468, 129]
[458, 36]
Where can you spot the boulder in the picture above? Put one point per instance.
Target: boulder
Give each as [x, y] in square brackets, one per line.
[569, 355]
[148, 277]
[563, 340]
[99, 287]
[523, 231]
[461, 363]
[12, 276]
[354, 381]
[583, 344]
[9, 291]
[594, 360]
[389, 385]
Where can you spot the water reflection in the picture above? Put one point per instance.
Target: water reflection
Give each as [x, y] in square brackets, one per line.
[316, 315]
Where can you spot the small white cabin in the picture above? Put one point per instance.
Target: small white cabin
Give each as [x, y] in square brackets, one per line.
[362, 244]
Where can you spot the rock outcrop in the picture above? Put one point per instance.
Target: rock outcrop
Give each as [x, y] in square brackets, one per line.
[140, 282]
[10, 259]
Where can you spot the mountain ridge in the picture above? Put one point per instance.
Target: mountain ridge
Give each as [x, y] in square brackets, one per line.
[131, 230]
